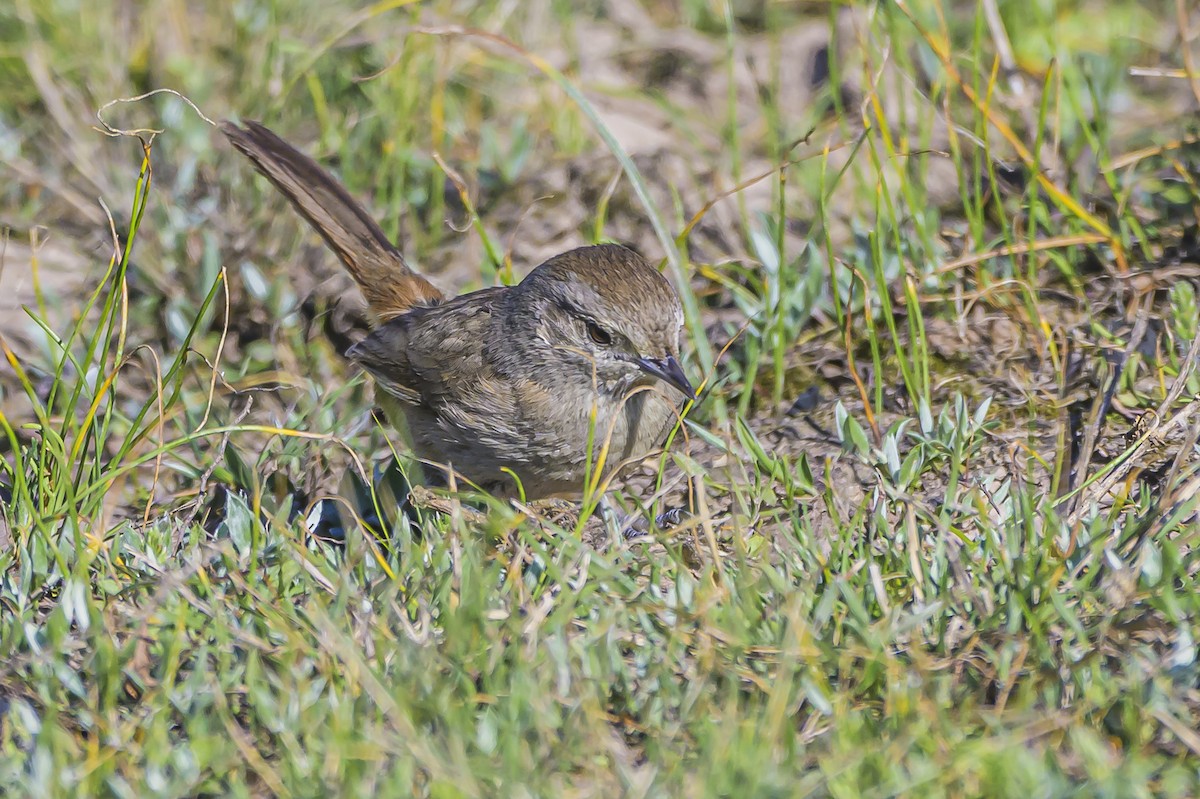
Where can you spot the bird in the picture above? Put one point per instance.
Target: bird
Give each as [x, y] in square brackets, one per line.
[530, 391]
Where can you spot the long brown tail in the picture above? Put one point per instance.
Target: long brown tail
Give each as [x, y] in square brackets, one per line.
[386, 280]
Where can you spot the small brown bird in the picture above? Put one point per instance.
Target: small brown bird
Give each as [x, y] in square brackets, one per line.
[528, 381]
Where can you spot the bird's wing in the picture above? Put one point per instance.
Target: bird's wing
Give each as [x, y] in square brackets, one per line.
[429, 355]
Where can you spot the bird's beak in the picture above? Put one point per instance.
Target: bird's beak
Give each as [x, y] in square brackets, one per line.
[669, 370]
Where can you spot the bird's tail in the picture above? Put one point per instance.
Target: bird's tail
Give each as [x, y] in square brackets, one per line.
[390, 286]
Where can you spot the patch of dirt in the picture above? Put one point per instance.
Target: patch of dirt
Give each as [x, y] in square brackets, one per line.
[45, 272]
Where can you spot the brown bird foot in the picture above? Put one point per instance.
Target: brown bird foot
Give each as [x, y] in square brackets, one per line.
[422, 499]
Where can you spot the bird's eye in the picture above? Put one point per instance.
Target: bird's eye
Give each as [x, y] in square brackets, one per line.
[598, 334]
